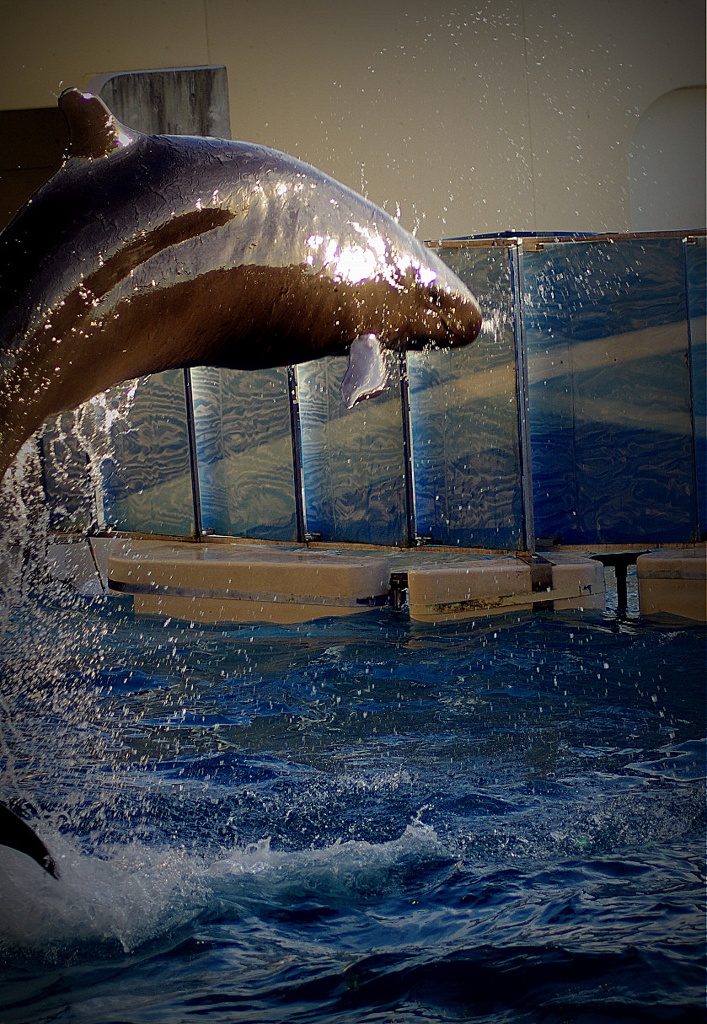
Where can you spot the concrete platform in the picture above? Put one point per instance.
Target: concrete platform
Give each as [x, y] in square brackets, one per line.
[673, 581]
[212, 582]
[245, 582]
[442, 593]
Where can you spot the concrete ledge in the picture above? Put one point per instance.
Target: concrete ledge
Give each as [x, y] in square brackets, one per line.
[254, 582]
[245, 583]
[465, 590]
[673, 581]
[213, 582]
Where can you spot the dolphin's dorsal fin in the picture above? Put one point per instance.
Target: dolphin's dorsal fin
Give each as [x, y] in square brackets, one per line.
[93, 131]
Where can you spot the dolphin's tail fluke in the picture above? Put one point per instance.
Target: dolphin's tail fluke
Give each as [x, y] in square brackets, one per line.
[16, 833]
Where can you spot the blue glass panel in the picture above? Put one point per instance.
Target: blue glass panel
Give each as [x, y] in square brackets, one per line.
[610, 425]
[696, 265]
[464, 420]
[244, 452]
[122, 460]
[352, 461]
[147, 479]
[67, 473]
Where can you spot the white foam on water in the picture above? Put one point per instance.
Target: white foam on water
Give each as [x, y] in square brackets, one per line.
[126, 895]
[344, 870]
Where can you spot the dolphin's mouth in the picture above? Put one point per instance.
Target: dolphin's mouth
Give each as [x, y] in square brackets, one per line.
[462, 318]
[451, 319]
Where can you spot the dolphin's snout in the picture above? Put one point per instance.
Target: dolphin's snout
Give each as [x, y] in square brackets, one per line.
[458, 312]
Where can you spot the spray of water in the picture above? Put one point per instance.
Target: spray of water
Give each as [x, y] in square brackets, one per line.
[40, 717]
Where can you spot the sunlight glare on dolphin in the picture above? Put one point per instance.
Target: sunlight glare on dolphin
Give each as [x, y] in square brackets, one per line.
[114, 269]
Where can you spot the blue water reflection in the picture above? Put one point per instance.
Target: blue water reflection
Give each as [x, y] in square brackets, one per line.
[353, 461]
[696, 265]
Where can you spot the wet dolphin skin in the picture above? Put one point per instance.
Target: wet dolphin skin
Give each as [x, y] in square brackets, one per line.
[146, 252]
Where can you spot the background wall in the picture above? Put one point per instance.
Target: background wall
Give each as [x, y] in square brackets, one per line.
[467, 117]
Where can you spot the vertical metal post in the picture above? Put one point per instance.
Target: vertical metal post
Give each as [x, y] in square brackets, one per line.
[699, 530]
[296, 439]
[408, 465]
[193, 462]
[515, 253]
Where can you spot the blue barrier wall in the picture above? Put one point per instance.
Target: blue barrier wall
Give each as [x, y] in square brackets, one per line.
[578, 415]
[611, 434]
[122, 460]
[465, 423]
[353, 473]
[244, 453]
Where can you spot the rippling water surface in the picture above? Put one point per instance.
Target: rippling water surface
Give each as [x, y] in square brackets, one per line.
[352, 821]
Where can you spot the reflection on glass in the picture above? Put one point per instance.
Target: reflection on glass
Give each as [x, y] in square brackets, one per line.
[352, 461]
[610, 426]
[244, 452]
[147, 483]
[74, 501]
[122, 460]
[464, 420]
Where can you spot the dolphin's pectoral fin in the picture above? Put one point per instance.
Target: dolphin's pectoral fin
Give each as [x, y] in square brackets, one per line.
[17, 834]
[367, 371]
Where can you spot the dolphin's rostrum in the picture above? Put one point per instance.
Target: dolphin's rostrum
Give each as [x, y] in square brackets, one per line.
[146, 252]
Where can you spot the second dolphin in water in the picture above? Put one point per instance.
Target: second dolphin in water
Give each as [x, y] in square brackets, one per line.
[16, 833]
[146, 252]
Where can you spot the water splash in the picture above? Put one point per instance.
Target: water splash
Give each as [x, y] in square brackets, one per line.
[33, 690]
[127, 895]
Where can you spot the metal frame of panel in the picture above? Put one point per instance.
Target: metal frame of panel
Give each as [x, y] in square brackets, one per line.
[695, 247]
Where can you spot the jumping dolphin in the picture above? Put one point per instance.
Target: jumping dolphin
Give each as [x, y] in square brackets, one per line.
[17, 834]
[146, 252]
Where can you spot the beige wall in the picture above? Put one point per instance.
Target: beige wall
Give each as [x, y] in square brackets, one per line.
[471, 117]
[667, 162]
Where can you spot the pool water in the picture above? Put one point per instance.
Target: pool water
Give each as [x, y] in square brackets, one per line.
[360, 820]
